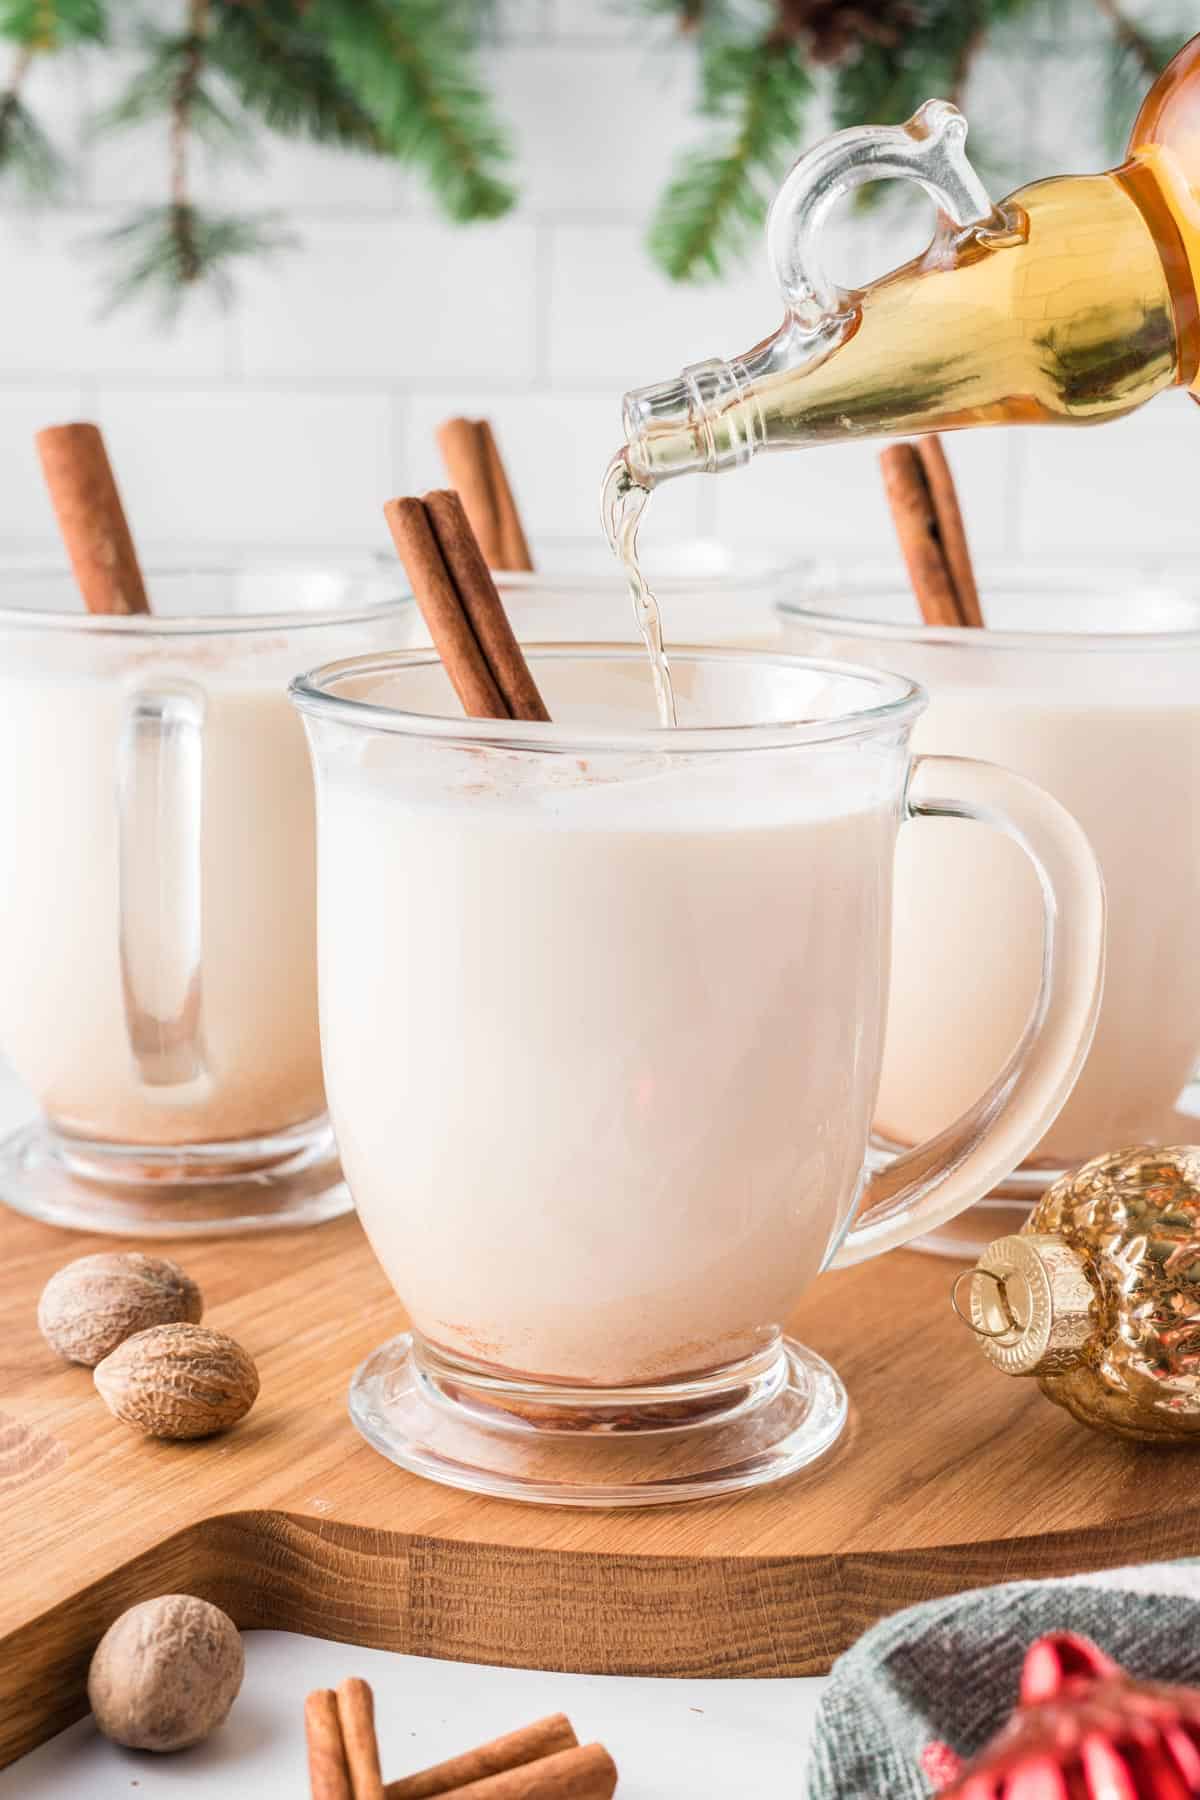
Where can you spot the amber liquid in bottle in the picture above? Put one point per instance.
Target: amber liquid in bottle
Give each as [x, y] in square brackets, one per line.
[1074, 304]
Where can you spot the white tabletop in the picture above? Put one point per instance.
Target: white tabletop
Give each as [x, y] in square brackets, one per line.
[671, 1739]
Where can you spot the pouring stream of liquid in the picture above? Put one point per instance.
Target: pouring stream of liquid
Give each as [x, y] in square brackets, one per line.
[623, 502]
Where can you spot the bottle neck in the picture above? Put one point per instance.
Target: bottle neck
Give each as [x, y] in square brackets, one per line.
[712, 417]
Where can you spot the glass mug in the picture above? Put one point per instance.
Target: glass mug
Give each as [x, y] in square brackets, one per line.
[158, 958]
[602, 1014]
[1086, 681]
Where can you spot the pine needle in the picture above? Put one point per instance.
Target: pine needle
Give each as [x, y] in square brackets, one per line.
[52, 24]
[407, 61]
[756, 94]
[164, 253]
[280, 69]
[152, 92]
[27, 156]
[1134, 59]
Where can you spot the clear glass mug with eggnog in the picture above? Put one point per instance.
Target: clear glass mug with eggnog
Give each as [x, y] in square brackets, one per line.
[1086, 681]
[158, 957]
[602, 1012]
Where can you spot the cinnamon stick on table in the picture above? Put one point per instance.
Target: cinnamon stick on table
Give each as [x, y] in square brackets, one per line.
[585, 1773]
[462, 608]
[476, 470]
[515, 1750]
[95, 531]
[928, 521]
[328, 1770]
[356, 1715]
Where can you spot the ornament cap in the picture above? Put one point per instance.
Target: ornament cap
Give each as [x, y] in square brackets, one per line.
[1029, 1302]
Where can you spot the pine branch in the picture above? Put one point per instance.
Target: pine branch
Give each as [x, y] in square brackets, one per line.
[154, 90]
[279, 68]
[968, 50]
[25, 150]
[10, 98]
[53, 24]
[185, 89]
[1137, 57]
[1131, 40]
[163, 256]
[757, 93]
[407, 63]
[166, 252]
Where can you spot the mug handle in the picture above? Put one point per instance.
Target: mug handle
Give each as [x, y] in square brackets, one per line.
[934, 1181]
[160, 795]
[929, 150]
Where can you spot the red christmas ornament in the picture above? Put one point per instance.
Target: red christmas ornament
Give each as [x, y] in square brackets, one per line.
[1085, 1730]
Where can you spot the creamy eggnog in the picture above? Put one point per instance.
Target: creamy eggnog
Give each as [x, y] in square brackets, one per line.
[1086, 682]
[601, 1054]
[968, 937]
[83, 945]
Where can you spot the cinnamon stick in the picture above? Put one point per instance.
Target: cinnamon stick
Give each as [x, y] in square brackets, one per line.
[328, 1772]
[483, 605]
[951, 530]
[436, 594]
[95, 531]
[587, 1773]
[476, 469]
[462, 608]
[356, 1715]
[916, 520]
[462, 452]
[514, 545]
[544, 1738]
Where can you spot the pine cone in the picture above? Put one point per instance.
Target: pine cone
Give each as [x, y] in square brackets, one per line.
[833, 30]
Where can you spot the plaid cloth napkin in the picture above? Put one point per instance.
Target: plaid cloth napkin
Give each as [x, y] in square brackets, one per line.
[937, 1681]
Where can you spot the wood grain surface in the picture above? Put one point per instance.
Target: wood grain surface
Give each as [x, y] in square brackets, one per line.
[950, 1475]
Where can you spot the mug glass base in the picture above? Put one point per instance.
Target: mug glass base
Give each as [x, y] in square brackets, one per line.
[460, 1424]
[1007, 1208]
[290, 1178]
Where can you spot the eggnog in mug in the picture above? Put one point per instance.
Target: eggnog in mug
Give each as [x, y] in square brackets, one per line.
[158, 958]
[602, 1012]
[1090, 686]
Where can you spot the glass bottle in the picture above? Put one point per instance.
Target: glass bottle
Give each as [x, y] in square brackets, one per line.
[1071, 302]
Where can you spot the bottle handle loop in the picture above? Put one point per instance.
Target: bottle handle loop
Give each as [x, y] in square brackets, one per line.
[929, 149]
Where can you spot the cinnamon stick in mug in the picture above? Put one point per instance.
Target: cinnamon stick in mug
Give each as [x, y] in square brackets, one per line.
[95, 531]
[476, 470]
[483, 605]
[516, 1749]
[462, 608]
[917, 527]
[951, 530]
[514, 545]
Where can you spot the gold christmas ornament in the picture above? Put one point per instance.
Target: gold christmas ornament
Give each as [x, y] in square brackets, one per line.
[1098, 1296]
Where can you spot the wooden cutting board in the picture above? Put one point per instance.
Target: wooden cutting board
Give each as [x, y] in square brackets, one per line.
[950, 1475]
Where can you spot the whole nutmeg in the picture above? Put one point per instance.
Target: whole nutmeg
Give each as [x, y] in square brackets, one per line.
[178, 1381]
[94, 1303]
[166, 1673]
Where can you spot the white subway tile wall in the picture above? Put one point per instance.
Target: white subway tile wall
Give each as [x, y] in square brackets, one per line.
[288, 419]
